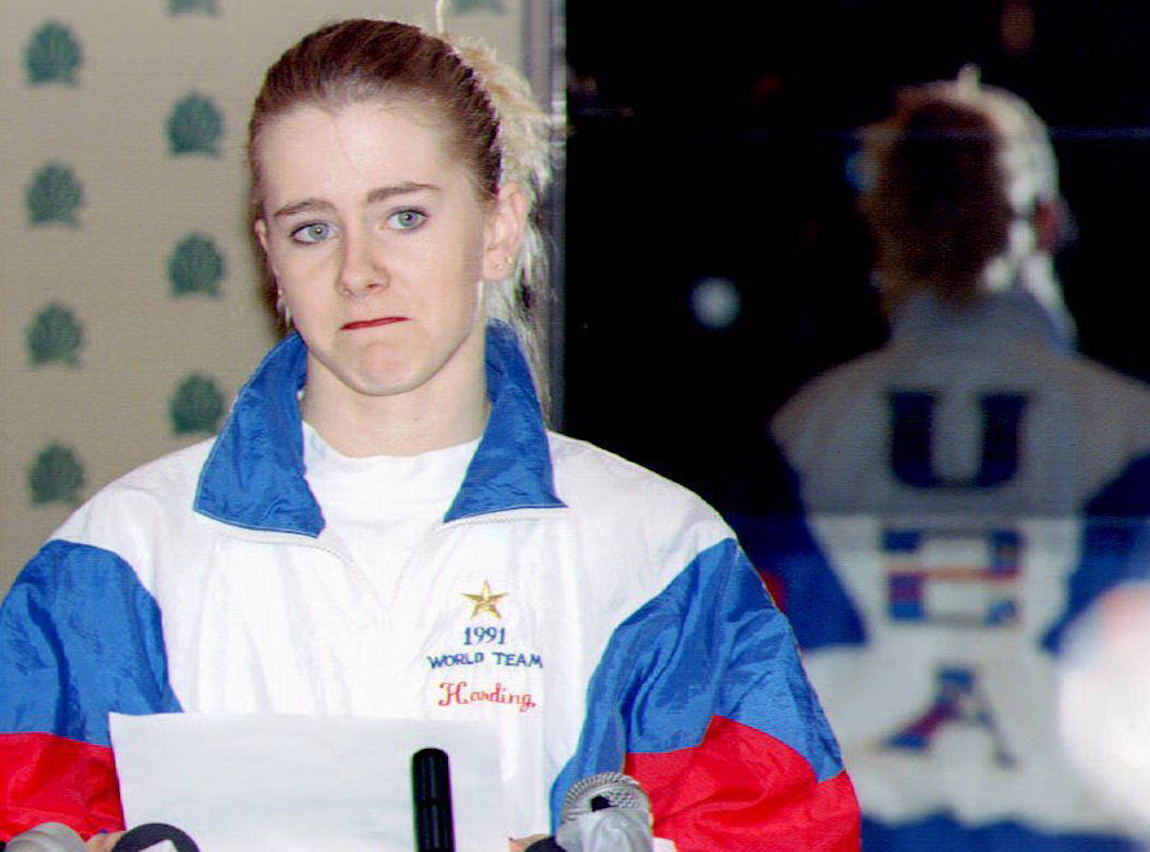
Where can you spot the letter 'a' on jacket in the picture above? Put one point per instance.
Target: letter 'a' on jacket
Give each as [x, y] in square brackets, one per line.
[596, 615]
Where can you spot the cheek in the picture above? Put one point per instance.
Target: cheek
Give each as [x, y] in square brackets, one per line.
[294, 269]
[465, 297]
[481, 257]
[274, 260]
[464, 306]
[458, 266]
[300, 283]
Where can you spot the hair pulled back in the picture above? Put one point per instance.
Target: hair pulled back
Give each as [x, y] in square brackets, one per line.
[956, 173]
[483, 108]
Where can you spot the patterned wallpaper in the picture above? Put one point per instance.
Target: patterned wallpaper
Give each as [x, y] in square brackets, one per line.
[130, 303]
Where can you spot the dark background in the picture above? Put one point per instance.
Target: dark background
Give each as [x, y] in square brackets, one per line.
[717, 144]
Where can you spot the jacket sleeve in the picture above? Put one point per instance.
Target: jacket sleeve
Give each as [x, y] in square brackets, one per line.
[700, 696]
[771, 523]
[801, 579]
[79, 638]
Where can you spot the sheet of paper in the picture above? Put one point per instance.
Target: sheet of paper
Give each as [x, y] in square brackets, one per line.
[341, 784]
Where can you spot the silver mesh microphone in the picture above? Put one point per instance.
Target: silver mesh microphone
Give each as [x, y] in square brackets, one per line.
[608, 812]
[46, 837]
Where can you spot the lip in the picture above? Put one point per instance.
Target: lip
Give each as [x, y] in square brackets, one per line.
[371, 323]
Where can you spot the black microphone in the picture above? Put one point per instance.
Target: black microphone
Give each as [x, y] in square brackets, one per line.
[149, 834]
[431, 796]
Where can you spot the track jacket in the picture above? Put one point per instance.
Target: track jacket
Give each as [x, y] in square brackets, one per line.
[974, 484]
[596, 615]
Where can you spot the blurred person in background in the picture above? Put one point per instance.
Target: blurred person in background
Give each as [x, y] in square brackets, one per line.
[969, 483]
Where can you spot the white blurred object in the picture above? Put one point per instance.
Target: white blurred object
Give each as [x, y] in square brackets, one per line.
[1104, 700]
[47, 837]
[716, 303]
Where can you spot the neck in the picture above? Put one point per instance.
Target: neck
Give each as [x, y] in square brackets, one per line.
[430, 418]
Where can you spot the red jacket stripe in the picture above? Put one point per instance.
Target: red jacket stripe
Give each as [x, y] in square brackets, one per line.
[46, 778]
[743, 789]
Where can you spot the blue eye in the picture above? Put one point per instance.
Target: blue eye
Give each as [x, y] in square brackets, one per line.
[313, 232]
[406, 220]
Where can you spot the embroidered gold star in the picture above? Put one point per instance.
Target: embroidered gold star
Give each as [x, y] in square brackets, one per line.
[485, 601]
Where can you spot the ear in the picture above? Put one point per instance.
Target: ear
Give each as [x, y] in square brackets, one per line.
[261, 229]
[503, 231]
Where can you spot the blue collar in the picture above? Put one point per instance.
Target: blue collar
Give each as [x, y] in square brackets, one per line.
[254, 476]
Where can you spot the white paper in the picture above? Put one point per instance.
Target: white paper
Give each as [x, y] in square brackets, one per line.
[238, 783]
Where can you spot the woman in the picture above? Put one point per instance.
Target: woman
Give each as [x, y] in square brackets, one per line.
[385, 498]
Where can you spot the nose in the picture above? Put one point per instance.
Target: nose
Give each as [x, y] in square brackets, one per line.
[361, 268]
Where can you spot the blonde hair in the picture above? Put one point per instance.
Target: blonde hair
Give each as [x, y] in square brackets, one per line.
[525, 142]
[956, 173]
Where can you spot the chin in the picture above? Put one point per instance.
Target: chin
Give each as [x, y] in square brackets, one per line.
[384, 385]
[384, 375]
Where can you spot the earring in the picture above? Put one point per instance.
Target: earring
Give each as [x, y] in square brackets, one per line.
[282, 309]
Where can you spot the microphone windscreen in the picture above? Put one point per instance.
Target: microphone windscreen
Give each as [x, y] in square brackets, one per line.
[46, 837]
[606, 789]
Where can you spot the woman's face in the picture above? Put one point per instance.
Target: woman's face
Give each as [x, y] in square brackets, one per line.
[378, 241]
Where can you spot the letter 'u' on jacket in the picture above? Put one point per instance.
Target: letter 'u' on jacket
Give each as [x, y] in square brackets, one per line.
[596, 615]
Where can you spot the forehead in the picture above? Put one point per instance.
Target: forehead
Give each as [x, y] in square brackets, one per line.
[311, 147]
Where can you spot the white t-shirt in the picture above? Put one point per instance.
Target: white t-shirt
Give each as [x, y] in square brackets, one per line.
[378, 508]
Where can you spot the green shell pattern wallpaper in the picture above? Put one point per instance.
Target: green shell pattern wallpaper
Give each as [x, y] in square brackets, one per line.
[55, 337]
[185, 7]
[196, 265]
[54, 196]
[196, 406]
[195, 126]
[56, 476]
[53, 55]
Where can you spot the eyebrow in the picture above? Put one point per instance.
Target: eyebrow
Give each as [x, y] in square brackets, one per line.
[375, 196]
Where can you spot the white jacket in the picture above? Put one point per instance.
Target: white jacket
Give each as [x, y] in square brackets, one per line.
[596, 615]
